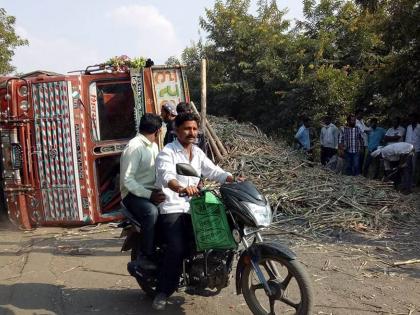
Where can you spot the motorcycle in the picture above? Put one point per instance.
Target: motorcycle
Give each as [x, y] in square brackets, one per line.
[268, 274]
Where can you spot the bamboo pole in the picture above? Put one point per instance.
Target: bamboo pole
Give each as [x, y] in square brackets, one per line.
[220, 145]
[215, 149]
[211, 133]
[216, 152]
[406, 262]
[203, 96]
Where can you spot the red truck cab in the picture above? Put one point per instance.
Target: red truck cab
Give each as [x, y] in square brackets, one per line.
[62, 137]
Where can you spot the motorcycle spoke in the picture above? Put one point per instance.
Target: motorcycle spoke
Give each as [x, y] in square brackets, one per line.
[270, 272]
[272, 312]
[258, 286]
[289, 302]
[286, 281]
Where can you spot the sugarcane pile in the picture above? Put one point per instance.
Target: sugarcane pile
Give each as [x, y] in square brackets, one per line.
[305, 196]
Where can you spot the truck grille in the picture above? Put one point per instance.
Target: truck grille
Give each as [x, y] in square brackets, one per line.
[54, 149]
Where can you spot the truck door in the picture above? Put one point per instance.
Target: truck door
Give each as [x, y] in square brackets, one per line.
[113, 124]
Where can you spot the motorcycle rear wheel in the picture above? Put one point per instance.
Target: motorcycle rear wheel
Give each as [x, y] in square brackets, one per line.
[291, 279]
[145, 286]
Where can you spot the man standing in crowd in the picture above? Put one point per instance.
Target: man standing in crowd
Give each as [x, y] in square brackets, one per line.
[184, 107]
[349, 144]
[413, 137]
[396, 132]
[138, 193]
[302, 135]
[360, 123]
[329, 140]
[398, 163]
[375, 137]
[168, 114]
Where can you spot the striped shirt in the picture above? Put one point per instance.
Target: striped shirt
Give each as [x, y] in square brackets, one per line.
[351, 139]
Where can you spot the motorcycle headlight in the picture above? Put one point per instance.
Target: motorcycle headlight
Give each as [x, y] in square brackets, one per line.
[262, 214]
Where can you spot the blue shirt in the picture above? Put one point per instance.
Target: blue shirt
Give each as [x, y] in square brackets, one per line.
[302, 135]
[375, 137]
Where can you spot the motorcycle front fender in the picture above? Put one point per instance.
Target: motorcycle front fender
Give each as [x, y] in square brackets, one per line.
[257, 250]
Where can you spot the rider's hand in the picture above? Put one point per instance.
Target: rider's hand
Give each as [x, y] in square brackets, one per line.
[190, 191]
[157, 197]
[231, 179]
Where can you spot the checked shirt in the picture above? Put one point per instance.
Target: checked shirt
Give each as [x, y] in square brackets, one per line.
[351, 139]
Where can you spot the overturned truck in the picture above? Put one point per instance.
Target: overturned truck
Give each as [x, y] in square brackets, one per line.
[62, 137]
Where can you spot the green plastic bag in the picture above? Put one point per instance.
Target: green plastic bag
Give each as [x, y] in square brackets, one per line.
[211, 228]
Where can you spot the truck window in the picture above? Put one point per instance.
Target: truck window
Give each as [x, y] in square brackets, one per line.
[115, 111]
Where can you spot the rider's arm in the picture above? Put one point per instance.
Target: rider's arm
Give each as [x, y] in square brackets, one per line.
[165, 169]
[212, 171]
[175, 186]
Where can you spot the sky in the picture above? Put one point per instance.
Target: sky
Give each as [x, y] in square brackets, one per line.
[70, 35]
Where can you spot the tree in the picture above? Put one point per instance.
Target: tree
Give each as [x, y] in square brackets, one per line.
[399, 80]
[9, 40]
[345, 55]
[172, 61]
[245, 56]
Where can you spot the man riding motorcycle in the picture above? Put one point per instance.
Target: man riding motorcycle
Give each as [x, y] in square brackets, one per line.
[174, 219]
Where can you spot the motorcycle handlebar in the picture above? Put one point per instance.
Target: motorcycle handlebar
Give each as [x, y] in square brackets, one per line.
[184, 194]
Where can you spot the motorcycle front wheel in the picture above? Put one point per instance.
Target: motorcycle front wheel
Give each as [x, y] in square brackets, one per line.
[149, 287]
[289, 284]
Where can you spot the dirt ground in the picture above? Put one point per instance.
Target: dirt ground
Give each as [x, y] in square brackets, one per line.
[82, 271]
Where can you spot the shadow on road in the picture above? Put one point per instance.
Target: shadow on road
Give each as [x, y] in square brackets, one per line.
[79, 245]
[39, 298]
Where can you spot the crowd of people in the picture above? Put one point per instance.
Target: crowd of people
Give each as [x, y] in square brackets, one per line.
[361, 148]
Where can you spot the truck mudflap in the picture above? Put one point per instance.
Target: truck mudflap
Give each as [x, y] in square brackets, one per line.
[256, 250]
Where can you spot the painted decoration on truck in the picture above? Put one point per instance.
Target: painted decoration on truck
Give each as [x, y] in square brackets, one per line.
[54, 137]
[137, 85]
[168, 86]
[93, 104]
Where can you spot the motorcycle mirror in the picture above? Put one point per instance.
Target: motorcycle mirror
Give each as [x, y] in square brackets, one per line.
[186, 169]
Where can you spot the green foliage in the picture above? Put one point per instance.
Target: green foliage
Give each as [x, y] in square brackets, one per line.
[172, 61]
[124, 63]
[345, 55]
[9, 40]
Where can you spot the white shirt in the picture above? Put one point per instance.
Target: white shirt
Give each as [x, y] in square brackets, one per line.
[137, 167]
[329, 136]
[392, 152]
[413, 136]
[166, 161]
[400, 131]
[361, 124]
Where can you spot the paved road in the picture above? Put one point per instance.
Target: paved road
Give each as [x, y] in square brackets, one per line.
[71, 272]
[56, 271]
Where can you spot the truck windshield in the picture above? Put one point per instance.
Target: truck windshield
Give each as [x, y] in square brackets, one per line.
[115, 110]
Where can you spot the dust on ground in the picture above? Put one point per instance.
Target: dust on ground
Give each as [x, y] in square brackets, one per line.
[82, 271]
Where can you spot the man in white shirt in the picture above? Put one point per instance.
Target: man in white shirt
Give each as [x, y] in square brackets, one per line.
[175, 220]
[396, 133]
[329, 140]
[137, 179]
[413, 137]
[398, 159]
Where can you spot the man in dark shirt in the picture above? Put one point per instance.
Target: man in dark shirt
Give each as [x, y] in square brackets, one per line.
[168, 114]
